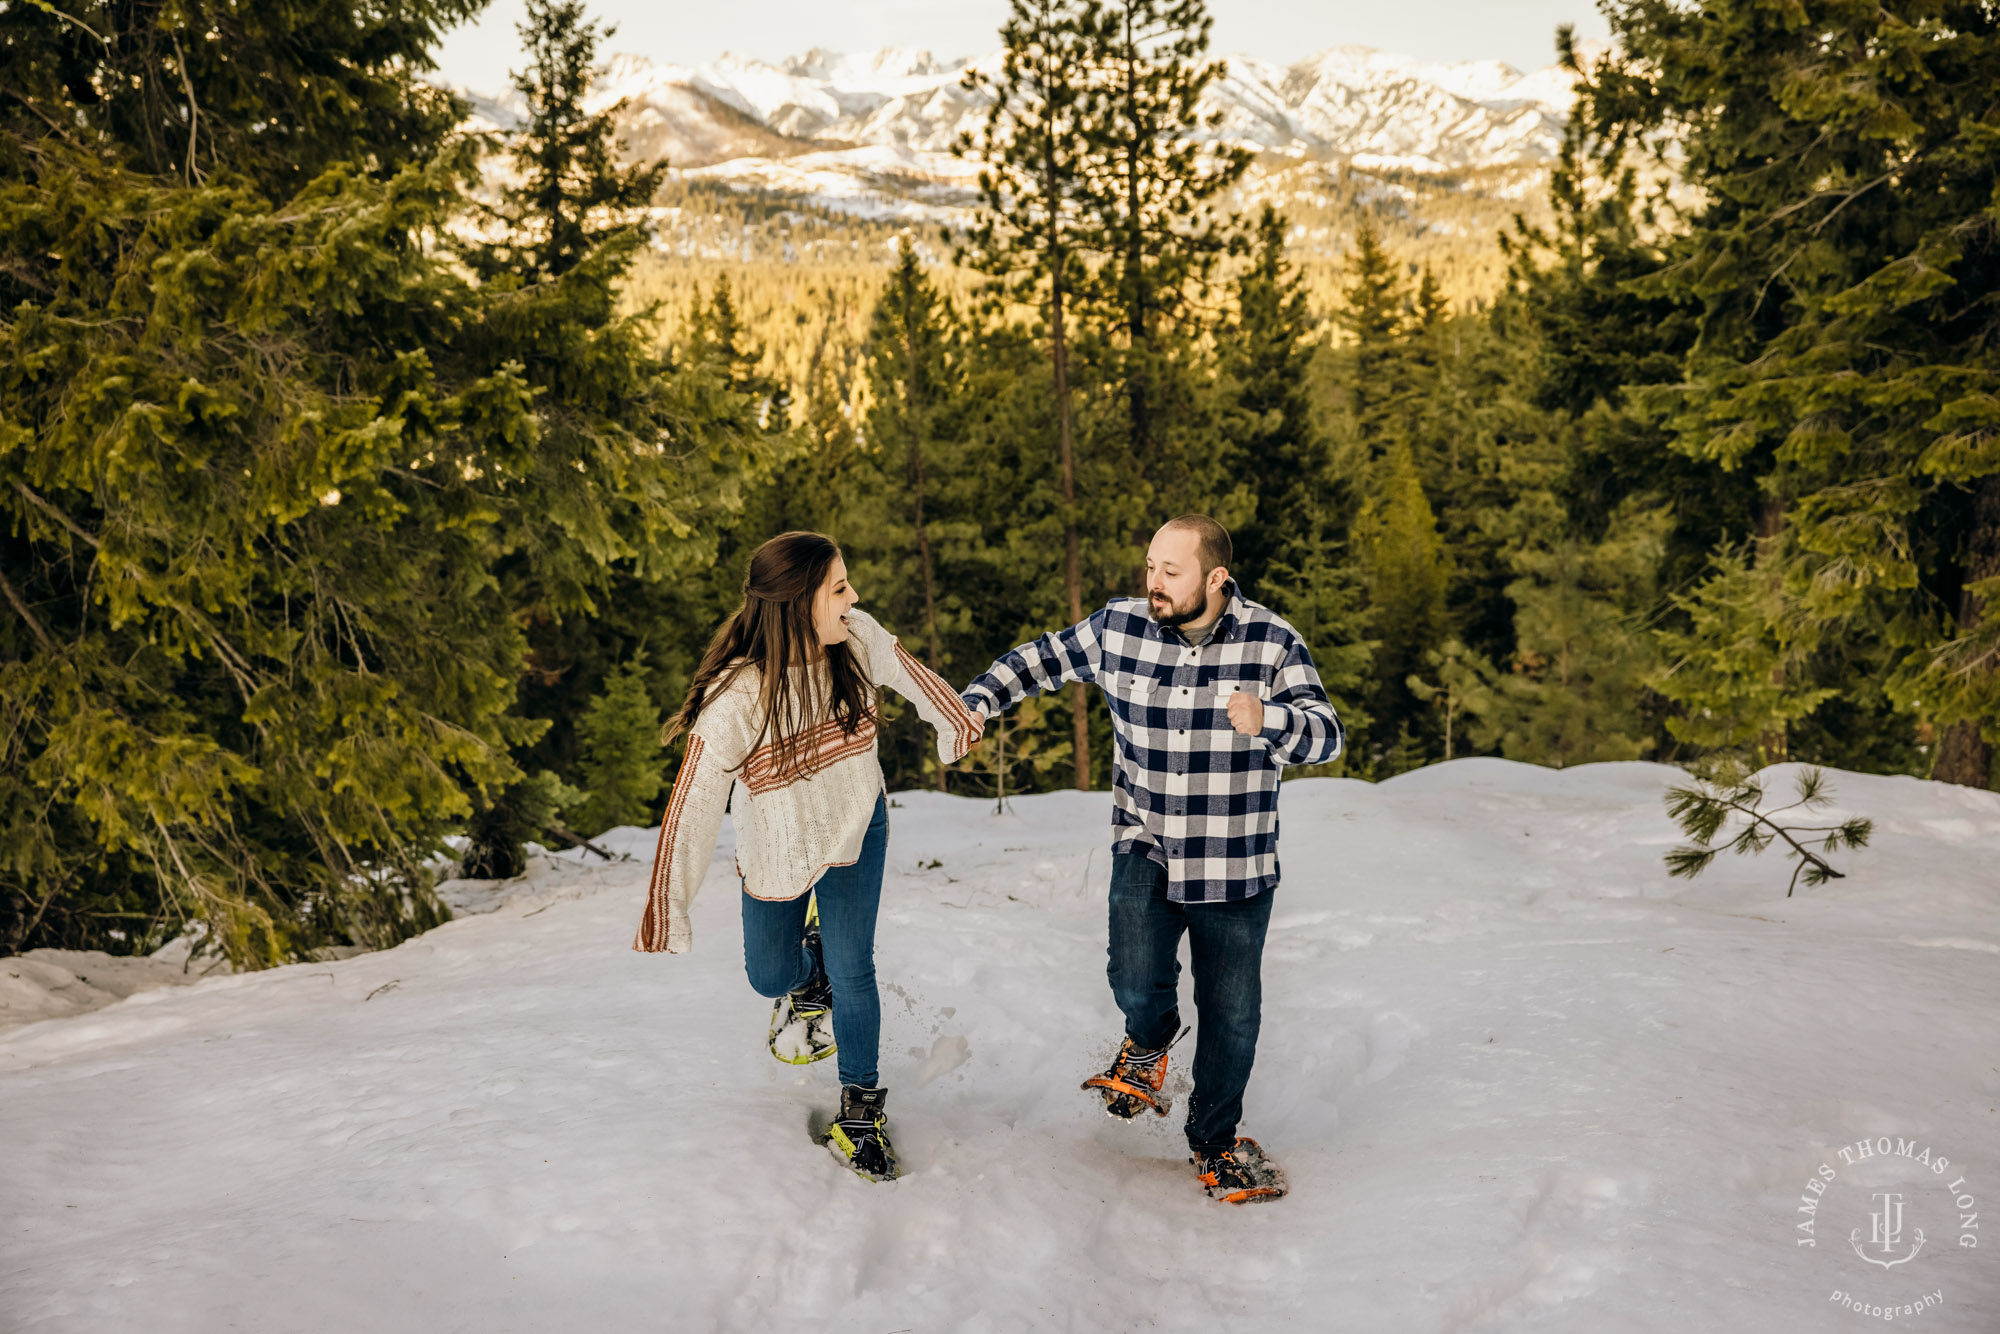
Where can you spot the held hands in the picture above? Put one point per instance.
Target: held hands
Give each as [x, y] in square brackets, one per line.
[1246, 713]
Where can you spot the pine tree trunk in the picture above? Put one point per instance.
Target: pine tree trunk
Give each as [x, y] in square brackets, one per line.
[1963, 755]
[1773, 743]
[1072, 556]
[1079, 701]
[1135, 264]
[934, 656]
[1000, 767]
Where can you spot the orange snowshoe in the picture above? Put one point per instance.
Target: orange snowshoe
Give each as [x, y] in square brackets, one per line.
[1240, 1174]
[1135, 1081]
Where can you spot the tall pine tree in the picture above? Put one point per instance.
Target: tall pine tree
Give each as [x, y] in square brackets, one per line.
[1845, 275]
[1293, 552]
[638, 458]
[1153, 169]
[1030, 234]
[283, 483]
[908, 524]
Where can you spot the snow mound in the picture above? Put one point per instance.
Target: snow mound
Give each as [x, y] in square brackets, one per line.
[55, 984]
[1519, 1078]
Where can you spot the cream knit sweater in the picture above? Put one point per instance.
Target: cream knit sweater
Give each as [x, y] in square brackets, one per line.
[788, 832]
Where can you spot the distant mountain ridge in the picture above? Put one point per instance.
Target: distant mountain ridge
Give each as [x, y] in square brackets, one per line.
[1374, 108]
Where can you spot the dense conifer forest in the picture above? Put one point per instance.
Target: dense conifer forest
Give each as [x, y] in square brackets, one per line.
[350, 507]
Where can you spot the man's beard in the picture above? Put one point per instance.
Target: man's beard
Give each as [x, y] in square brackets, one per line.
[1176, 616]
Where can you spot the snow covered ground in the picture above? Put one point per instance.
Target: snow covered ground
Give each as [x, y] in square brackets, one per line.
[53, 984]
[1521, 1080]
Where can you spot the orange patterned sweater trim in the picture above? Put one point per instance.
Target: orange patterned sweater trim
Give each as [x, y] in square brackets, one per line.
[652, 935]
[822, 746]
[944, 698]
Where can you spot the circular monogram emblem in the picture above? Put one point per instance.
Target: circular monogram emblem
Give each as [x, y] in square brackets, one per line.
[1876, 1211]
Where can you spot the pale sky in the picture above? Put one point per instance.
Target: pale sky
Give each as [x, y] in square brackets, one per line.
[1520, 32]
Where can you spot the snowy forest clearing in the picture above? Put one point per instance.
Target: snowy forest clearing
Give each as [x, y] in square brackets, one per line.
[1519, 1079]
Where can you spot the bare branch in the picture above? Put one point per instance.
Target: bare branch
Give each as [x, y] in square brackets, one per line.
[56, 514]
[20, 607]
[194, 109]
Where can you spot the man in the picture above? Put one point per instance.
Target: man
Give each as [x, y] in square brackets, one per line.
[1211, 696]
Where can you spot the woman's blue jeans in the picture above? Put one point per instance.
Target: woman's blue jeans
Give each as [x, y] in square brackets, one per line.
[775, 956]
[1226, 947]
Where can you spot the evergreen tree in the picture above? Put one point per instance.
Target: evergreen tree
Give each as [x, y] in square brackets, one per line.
[1292, 553]
[1574, 694]
[1405, 569]
[619, 752]
[635, 491]
[1595, 342]
[250, 653]
[1548, 620]
[1373, 313]
[793, 485]
[283, 485]
[1153, 169]
[1029, 235]
[912, 378]
[907, 523]
[1002, 563]
[829, 441]
[905, 509]
[571, 196]
[718, 341]
[264, 97]
[1396, 440]
[1845, 276]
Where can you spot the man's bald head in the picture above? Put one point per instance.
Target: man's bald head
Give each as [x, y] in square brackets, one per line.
[1211, 539]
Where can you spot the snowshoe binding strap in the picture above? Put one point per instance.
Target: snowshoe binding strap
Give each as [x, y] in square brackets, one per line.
[1240, 1174]
[1135, 1081]
[859, 1136]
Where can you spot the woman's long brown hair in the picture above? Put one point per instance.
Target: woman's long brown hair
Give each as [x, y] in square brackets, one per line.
[772, 630]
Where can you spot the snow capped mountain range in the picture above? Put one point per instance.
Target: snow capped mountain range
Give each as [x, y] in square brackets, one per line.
[820, 122]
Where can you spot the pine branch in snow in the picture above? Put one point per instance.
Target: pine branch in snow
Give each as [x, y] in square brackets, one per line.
[1703, 809]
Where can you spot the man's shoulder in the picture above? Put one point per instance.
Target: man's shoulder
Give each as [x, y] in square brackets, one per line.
[1125, 608]
[1125, 618]
[1254, 620]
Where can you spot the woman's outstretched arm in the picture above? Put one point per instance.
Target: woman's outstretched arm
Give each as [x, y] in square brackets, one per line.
[891, 665]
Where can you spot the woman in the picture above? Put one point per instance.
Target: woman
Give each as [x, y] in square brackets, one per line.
[782, 711]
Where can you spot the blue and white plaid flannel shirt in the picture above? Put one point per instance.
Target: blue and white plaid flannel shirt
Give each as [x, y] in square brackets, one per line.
[1189, 790]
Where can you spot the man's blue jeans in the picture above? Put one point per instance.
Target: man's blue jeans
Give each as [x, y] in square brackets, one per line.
[775, 956]
[1226, 948]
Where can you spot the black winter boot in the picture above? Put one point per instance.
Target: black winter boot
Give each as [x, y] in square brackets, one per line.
[859, 1136]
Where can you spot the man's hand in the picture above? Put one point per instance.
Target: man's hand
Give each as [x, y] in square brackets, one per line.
[1246, 713]
[978, 724]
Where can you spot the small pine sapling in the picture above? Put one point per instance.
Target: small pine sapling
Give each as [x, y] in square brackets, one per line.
[1703, 809]
[620, 755]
